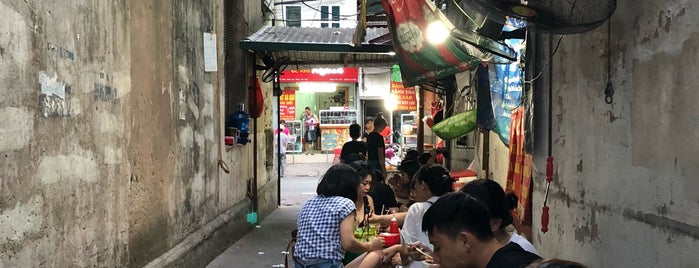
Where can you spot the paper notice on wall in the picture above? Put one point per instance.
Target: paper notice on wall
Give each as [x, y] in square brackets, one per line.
[210, 59]
[51, 85]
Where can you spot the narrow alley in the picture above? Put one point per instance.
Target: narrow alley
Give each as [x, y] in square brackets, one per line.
[146, 133]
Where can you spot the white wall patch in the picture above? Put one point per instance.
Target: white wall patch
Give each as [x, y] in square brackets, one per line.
[16, 128]
[21, 220]
[79, 166]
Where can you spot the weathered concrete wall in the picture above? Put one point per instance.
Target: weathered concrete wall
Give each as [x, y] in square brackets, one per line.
[110, 133]
[624, 192]
[65, 120]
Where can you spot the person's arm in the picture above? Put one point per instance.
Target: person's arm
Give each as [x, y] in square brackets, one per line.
[382, 159]
[385, 220]
[362, 149]
[343, 153]
[372, 210]
[350, 243]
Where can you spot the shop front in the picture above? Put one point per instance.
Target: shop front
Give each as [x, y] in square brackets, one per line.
[382, 91]
[329, 93]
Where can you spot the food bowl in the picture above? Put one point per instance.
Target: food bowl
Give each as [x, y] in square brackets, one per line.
[365, 234]
[390, 239]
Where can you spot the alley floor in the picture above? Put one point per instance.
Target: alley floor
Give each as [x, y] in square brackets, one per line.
[263, 246]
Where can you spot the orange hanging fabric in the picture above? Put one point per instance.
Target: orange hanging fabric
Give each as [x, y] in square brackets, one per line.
[256, 101]
[519, 172]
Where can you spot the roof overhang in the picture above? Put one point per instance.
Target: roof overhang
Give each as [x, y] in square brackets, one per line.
[332, 46]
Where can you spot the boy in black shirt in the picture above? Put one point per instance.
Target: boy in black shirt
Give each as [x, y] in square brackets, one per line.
[354, 150]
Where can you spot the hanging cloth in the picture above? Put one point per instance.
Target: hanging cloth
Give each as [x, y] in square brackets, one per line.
[484, 116]
[519, 171]
[257, 101]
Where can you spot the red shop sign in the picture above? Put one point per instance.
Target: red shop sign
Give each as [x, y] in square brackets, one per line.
[341, 75]
[407, 100]
[287, 105]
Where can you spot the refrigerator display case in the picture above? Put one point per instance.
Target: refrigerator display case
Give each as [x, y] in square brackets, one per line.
[408, 129]
[295, 133]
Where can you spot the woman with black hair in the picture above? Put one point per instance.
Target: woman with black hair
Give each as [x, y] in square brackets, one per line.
[326, 221]
[364, 202]
[401, 188]
[499, 204]
[429, 183]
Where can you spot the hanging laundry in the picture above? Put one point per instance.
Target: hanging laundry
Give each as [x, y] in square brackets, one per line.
[519, 171]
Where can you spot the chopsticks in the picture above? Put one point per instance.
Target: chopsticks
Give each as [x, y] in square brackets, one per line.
[423, 253]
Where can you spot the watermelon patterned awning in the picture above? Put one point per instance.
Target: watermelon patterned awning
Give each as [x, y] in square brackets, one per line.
[420, 60]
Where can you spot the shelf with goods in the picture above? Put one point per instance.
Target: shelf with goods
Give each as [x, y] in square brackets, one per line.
[337, 118]
[333, 137]
[334, 128]
[408, 128]
[295, 133]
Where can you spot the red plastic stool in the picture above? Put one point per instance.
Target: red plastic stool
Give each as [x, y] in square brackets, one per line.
[337, 153]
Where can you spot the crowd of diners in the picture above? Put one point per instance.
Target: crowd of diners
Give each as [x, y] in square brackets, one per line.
[439, 227]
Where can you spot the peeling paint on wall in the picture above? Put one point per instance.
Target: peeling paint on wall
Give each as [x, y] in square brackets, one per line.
[16, 128]
[22, 220]
[78, 166]
[54, 100]
[51, 85]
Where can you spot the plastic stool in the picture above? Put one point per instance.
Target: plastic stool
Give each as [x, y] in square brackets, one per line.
[337, 152]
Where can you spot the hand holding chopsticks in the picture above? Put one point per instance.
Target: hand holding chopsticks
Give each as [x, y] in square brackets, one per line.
[419, 251]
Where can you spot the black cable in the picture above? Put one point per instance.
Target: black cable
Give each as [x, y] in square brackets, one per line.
[609, 51]
[609, 90]
[550, 117]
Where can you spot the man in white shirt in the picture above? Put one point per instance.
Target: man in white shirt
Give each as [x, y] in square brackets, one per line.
[280, 151]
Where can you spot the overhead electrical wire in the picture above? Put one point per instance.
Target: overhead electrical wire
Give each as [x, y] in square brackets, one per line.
[547, 62]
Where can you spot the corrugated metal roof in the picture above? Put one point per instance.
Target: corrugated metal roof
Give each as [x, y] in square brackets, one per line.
[313, 46]
[277, 38]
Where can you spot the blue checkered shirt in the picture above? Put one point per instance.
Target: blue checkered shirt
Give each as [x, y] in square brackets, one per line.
[319, 227]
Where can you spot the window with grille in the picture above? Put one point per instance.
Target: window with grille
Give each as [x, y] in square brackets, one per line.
[336, 16]
[324, 16]
[293, 16]
[329, 14]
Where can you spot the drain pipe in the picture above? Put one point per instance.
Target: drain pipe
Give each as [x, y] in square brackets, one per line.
[254, 151]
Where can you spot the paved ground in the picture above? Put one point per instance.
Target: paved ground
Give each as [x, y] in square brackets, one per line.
[263, 246]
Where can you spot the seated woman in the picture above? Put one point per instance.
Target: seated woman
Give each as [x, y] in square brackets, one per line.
[364, 204]
[500, 205]
[326, 221]
[428, 184]
[401, 188]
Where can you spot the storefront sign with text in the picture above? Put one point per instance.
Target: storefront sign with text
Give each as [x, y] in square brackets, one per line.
[340, 75]
[407, 101]
[287, 105]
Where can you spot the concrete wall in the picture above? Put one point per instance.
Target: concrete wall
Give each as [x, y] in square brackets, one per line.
[110, 133]
[625, 186]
